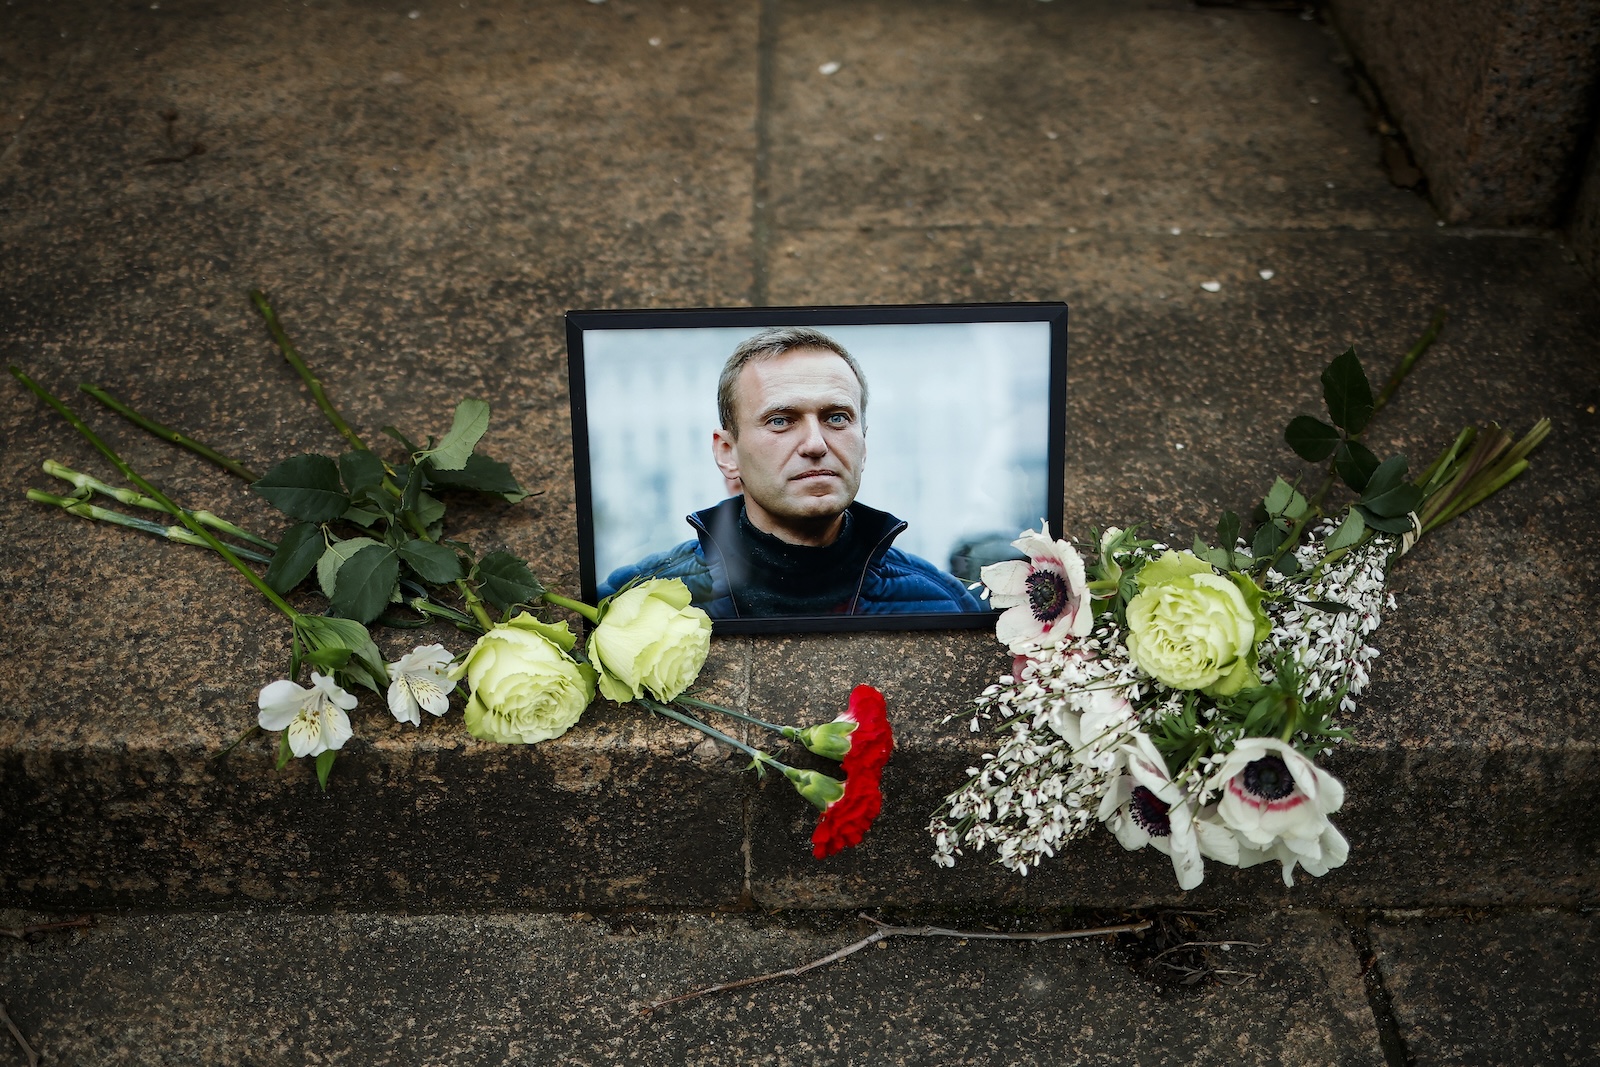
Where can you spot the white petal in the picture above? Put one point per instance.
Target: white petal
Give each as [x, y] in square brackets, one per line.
[280, 702]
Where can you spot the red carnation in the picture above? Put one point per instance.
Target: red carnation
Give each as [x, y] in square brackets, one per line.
[845, 821]
[872, 741]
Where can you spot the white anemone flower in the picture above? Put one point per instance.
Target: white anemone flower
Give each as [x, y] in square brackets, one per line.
[420, 682]
[1045, 595]
[1277, 803]
[1144, 806]
[314, 718]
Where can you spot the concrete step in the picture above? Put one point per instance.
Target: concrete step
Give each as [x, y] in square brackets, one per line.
[425, 197]
[1304, 986]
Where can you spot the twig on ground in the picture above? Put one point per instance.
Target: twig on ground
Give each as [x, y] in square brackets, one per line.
[1200, 944]
[20, 932]
[27, 1050]
[885, 931]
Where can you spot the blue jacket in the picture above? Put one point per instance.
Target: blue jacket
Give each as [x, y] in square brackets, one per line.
[891, 582]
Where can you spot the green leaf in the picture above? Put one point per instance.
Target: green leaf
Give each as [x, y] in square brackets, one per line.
[329, 659]
[361, 589]
[1283, 500]
[1228, 535]
[325, 767]
[1388, 493]
[298, 552]
[434, 564]
[1355, 463]
[481, 475]
[1217, 557]
[413, 489]
[1395, 524]
[1333, 607]
[1287, 564]
[306, 488]
[430, 510]
[1390, 473]
[505, 580]
[1266, 541]
[361, 516]
[1350, 533]
[402, 438]
[1347, 393]
[1312, 439]
[285, 753]
[334, 558]
[471, 422]
[361, 469]
[366, 666]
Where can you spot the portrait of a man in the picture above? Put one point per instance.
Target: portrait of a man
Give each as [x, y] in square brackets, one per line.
[791, 538]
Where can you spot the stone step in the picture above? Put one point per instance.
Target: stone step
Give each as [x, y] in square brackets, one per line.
[425, 197]
[1301, 986]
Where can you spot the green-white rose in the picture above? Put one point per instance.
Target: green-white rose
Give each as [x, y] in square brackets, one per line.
[1191, 628]
[525, 688]
[650, 638]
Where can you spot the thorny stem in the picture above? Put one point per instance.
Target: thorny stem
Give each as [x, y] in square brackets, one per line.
[428, 607]
[313, 383]
[1409, 360]
[232, 466]
[150, 490]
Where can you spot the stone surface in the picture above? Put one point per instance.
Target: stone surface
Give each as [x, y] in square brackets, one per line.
[1496, 101]
[255, 988]
[1513, 987]
[424, 197]
[1583, 224]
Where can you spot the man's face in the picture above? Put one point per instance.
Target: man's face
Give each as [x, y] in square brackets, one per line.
[800, 446]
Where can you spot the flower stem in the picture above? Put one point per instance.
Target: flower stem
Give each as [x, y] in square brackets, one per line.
[80, 480]
[1409, 360]
[150, 490]
[232, 466]
[313, 383]
[711, 731]
[440, 611]
[84, 509]
[592, 614]
[784, 730]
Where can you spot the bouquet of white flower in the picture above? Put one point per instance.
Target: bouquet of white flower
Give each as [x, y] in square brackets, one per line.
[1182, 697]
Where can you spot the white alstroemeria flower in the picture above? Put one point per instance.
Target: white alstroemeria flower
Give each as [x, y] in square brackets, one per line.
[1144, 806]
[1045, 594]
[314, 718]
[420, 683]
[1277, 803]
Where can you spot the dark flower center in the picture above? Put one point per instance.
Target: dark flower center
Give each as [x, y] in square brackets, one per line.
[1269, 778]
[1150, 812]
[1048, 595]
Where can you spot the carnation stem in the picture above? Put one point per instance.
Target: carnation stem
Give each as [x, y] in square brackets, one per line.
[150, 490]
[736, 714]
[313, 383]
[590, 613]
[80, 480]
[232, 466]
[711, 731]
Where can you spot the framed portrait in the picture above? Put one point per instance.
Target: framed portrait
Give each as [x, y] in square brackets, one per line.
[816, 468]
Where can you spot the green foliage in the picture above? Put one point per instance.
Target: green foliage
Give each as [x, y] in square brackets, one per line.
[306, 488]
[1347, 393]
[325, 767]
[434, 564]
[1312, 439]
[505, 581]
[298, 551]
[471, 422]
[364, 582]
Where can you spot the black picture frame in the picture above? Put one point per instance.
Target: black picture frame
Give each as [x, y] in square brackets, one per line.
[597, 339]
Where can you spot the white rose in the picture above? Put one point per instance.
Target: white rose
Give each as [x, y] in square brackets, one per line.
[650, 638]
[525, 688]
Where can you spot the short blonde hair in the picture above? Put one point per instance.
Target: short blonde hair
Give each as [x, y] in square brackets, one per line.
[769, 344]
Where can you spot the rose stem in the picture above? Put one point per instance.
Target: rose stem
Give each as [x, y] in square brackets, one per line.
[592, 614]
[87, 510]
[711, 731]
[312, 382]
[232, 466]
[150, 490]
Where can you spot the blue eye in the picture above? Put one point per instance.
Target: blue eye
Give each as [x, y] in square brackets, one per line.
[778, 422]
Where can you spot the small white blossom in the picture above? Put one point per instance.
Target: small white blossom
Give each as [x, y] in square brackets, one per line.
[314, 718]
[420, 682]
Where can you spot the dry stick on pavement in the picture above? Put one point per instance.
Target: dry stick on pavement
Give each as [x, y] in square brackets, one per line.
[20, 932]
[27, 1050]
[885, 931]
